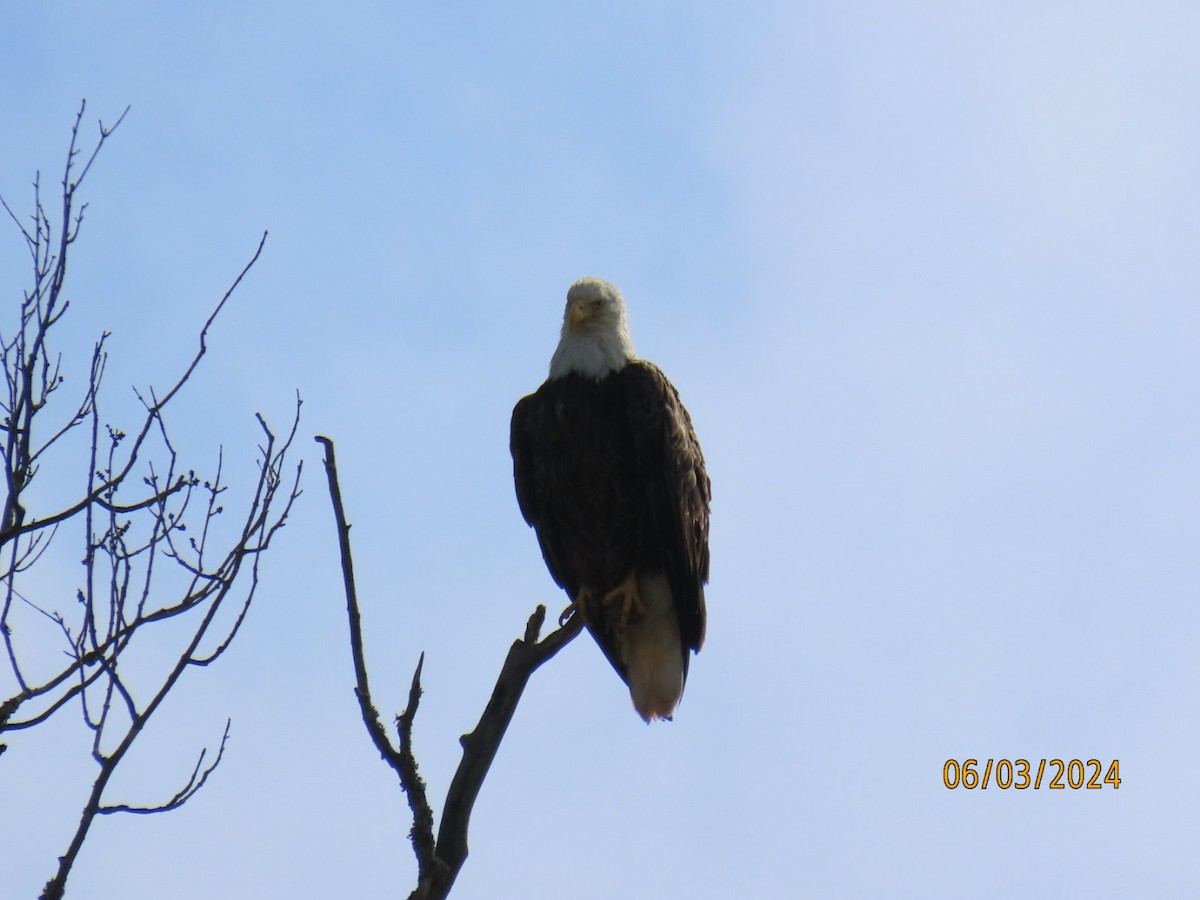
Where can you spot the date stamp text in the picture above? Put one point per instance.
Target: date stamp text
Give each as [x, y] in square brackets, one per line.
[1021, 774]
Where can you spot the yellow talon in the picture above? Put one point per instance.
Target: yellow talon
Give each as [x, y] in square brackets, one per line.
[626, 593]
[578, 606]
[631, 599]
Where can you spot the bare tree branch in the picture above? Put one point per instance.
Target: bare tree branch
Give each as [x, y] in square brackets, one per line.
[135, 539]
[440, 860]
[421, 833]
[371, 717]
[99, 497]
[153, 411]
[479, 747]
[256, 536]
[184, 794]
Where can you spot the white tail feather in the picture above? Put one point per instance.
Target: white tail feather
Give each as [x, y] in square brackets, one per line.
[653, 651]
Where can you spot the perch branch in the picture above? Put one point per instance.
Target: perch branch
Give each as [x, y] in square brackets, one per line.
[439, 861]
[525, 656]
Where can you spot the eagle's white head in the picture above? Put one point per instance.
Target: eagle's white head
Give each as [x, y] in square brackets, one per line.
[595, 333]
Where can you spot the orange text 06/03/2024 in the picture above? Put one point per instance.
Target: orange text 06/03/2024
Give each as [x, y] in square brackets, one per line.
[1021, 774]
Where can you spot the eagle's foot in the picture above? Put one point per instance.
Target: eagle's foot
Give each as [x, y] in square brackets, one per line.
[577, 608]
[630, 598]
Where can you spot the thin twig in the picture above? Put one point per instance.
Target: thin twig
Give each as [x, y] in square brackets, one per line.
[421, 833]
[184, 794]
[362, 688]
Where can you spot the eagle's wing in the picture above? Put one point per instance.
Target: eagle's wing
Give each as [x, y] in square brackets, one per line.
[524, 417]
[672, 471]
[518, 445]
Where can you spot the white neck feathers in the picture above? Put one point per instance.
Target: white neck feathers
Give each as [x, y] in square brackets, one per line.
[593, 355]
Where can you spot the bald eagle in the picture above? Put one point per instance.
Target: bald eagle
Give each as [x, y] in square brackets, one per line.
[609, 473]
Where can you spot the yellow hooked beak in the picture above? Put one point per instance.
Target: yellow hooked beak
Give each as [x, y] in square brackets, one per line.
[577, 312]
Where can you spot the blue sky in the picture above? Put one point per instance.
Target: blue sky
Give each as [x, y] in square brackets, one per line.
[925, 275]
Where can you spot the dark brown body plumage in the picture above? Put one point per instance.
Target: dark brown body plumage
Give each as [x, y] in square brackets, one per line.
[610, 474]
